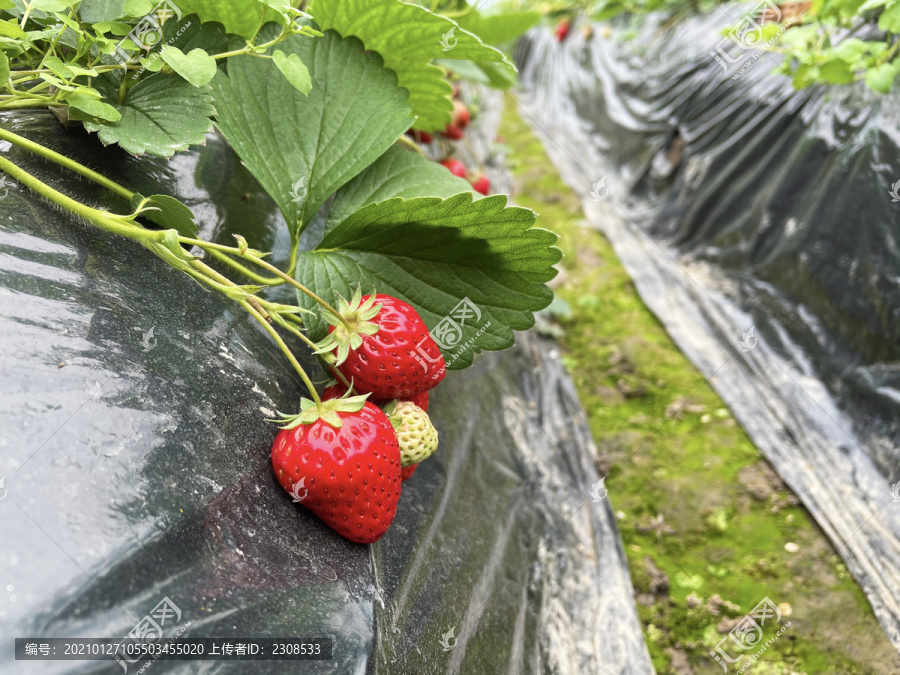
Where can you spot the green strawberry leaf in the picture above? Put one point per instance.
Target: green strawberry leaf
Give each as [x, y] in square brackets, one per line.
[168, 213]
[303, 148]
[51, 5]
[294, 70]
[197, 67]
[890, 19]
[137, 8]
[161, 115]
[99, 11]
[409, 37]
[4, 67]
[489, 74]
[881, 78]
[496, 29]
[240, 17]
[11, 29]
[93, 107]
[436, 253]
[397, 173]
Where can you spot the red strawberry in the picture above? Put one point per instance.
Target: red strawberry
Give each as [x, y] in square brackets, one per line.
[461, 115]
[407, 471]
[456, 167]
[562, 30]
[482, 184]
[420, 136]
[336, 390]
[384, 349]
[420, 399]
[344, 466]
[453, 132]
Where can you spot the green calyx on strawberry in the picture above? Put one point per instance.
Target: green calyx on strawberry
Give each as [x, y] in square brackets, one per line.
[327, 411]
[348, 334]
[416, 434]
[338, 390]
[386, 350]
[349, 475]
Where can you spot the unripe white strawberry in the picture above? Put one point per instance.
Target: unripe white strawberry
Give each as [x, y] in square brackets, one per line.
[416, 434]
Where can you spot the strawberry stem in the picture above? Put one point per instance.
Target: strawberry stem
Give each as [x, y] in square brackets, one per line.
[165, 244]
[246, 255]
[284, 348]
[70, 164]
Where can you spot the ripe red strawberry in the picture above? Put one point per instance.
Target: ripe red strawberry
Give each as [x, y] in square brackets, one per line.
[455, 167]
[384, 349]
[407, 471]
[337, 390]
[420, 399]
[420, 136]
[562, 30]
[461, 115]
[453, 132]
[344, 466]
[482, 184]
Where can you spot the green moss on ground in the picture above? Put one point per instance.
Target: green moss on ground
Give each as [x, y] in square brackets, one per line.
[697, 505]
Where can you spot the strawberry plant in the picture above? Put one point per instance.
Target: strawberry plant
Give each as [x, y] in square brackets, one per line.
[319, 105]
[823, 41]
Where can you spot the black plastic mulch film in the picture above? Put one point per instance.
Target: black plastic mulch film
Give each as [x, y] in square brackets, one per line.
[137, 466]
[759, 224]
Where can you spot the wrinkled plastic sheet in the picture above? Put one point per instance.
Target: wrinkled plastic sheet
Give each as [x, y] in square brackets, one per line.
[137, 467]
[738, 203]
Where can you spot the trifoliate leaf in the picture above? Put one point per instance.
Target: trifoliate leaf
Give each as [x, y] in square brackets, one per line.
[480, 263]
[197, 67]
[303, 148]
[294, 70]
[408, 37]
[161, 115]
